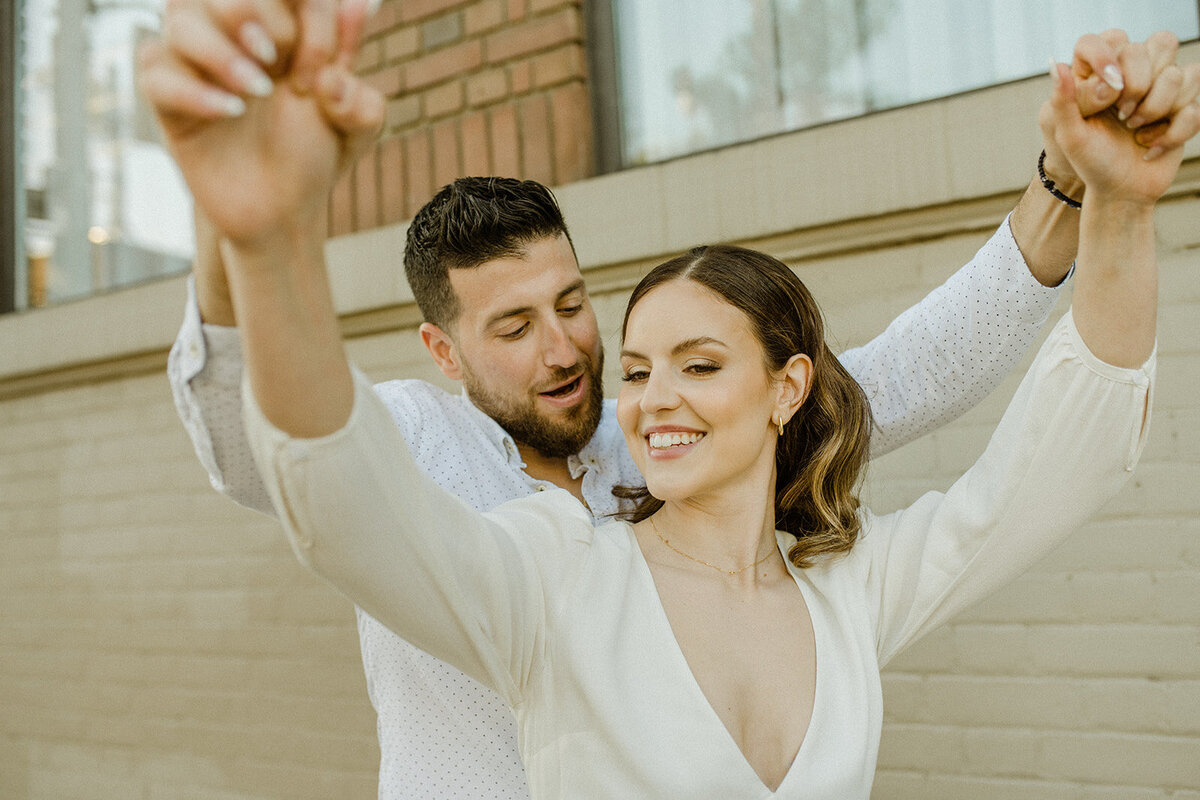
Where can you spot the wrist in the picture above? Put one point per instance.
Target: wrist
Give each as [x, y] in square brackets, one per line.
[284, 249]
[213, 299]
[296, 230]
[1120, 210]
[1061, 183]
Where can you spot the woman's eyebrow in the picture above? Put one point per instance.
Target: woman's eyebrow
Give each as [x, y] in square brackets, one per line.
[684, 346]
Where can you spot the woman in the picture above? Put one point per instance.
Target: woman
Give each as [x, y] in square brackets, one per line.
[698, 651]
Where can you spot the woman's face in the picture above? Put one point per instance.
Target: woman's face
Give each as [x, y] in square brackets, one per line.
[697, 402]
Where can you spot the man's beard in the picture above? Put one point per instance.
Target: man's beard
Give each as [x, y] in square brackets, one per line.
[551, 437]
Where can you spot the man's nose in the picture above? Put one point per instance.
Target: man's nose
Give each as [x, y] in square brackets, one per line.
[557, 348]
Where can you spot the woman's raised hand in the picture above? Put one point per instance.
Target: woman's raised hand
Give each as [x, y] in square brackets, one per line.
[260, 107]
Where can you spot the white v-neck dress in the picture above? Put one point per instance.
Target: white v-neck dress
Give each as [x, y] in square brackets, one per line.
[563, 619]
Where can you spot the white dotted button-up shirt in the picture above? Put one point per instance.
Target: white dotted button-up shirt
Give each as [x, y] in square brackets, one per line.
[443, 735]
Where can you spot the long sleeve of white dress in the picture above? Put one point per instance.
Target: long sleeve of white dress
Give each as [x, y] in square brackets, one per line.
[1067, 442]
[467, 587]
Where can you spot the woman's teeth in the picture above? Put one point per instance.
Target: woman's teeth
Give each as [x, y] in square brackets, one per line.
[661, 441]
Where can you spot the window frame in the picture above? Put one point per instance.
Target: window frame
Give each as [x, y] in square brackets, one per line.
[603, 57]
[10, 246]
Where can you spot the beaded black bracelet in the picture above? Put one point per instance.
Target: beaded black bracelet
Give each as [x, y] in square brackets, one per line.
[1051, 188]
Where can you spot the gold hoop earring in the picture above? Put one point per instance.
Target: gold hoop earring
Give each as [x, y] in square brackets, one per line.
[779, 424]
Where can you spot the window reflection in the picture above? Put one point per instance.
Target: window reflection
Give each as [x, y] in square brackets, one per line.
[104, 205]
[708, 73]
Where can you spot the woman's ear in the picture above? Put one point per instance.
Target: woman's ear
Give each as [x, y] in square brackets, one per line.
[441, 348]
[795, 380]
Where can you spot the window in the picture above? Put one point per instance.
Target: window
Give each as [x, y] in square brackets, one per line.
[708, 73]
[99, 202]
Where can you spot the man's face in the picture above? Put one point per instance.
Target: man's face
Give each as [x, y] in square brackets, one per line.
[529, 347]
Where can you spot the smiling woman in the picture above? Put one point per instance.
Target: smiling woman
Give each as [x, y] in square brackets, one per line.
[819, 425]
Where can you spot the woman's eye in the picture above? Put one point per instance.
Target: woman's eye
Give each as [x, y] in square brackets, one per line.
[570, 311]
[702, 369]
[635, 376]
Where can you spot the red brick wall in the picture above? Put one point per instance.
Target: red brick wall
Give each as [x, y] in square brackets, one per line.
[473, 87]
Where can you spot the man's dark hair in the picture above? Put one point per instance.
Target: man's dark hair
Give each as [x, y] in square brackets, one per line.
[467, 223]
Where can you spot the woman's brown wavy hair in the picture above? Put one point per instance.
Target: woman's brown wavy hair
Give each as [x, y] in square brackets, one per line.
[821, 454]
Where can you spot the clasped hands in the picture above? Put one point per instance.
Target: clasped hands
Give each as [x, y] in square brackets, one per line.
[1118, 117]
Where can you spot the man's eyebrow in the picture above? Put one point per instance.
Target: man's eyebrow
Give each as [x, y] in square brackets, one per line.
[682, 347]
[576, 286]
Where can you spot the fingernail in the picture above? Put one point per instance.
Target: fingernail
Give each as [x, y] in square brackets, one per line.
[1053, 69]
[1125, 110]
[1112, 76]
[1152, 153]
[373, 6]
[256, 40]
[1135, 122]
[228, 105]
[251, 78]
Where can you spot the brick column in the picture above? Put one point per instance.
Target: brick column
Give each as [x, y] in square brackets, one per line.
[475, 87]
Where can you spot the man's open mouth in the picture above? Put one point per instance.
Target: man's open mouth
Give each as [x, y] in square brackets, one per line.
[566, 389]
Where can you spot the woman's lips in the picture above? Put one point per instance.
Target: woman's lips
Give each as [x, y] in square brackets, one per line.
[672, 443]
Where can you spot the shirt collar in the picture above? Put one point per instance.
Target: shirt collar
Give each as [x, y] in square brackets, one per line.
[493, 432]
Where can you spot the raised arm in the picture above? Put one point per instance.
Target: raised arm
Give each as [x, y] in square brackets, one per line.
[1078, 422]
[942, 356]
[1116, 292]
[357, 508]
[475, 590]
[208, 67]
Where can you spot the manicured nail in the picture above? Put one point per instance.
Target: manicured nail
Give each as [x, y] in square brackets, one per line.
[225, 104]
[251, 78]
[1135, 122]
[1152, 153]
[1112, 76]
[256, 40]
[1053, 69]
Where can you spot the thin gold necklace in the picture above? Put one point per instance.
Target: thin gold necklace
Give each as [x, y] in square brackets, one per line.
[737, 571]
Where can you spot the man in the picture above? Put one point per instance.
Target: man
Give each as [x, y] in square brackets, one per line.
[507, 313]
